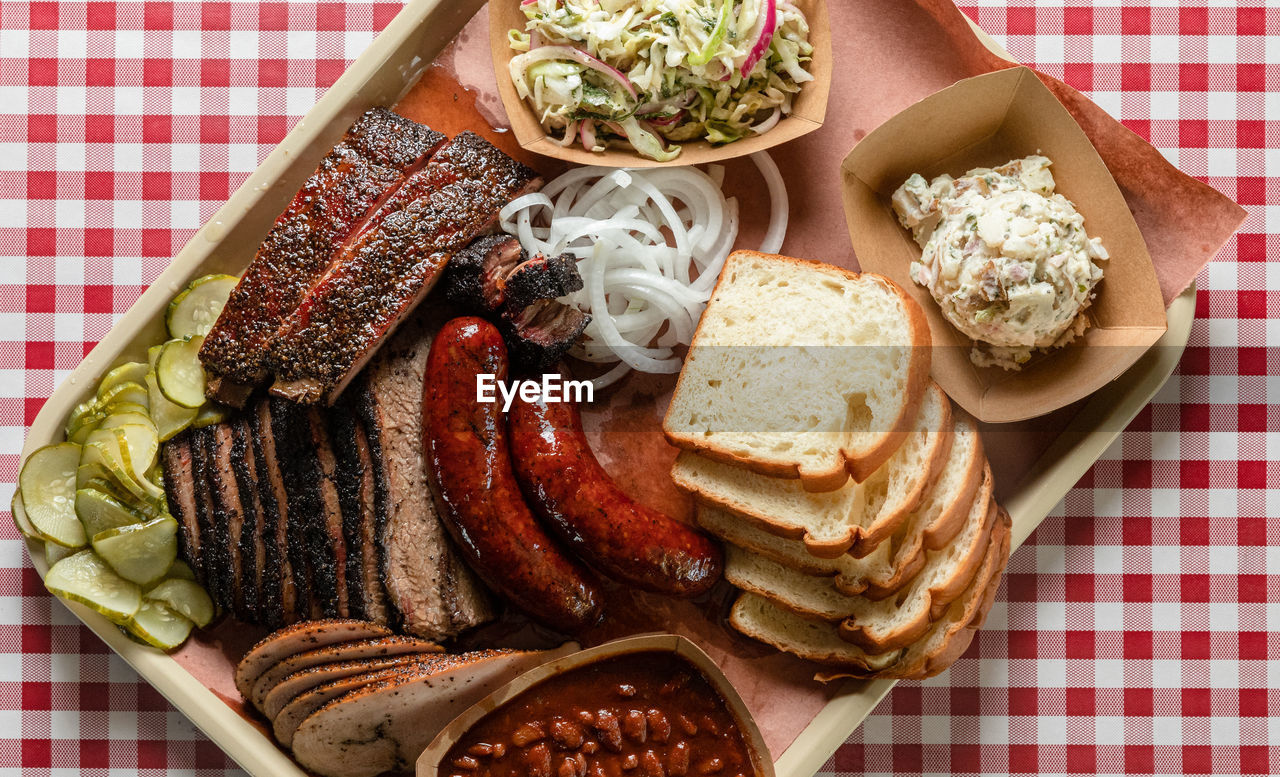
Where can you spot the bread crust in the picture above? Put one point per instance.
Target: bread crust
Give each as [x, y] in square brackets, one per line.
[886, 524]
[971, 613]
[961, 632]
[938, 596]
[858, 464]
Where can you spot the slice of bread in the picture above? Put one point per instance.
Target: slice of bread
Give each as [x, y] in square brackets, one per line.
[952, 634]
[855, 516]
[818, 641]
[812, 640]
[901, 619]
[892, 564]
[801, 370]
[888, 623]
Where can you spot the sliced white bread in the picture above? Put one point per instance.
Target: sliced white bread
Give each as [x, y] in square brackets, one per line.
[938, 648]
[886, 624]
[952, 634]
[801, 370]
[829, 524]
[933, 524]
[812, 640]
[901, 619]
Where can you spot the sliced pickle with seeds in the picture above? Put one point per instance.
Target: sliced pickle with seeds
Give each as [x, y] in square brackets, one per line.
[100, 511]
[87, 579]
[159, 626]
[48, 485]
[180, 373]
[141, 552]
[193, 312]
[185, 597]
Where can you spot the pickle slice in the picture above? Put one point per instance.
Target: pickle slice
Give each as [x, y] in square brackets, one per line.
[159, 626]
[100, 511]
[19, 513]
[87, 579]
[129, 372]
[119, 418]
[128, 391]
[170, 418]
[180, 570]
[141, 552]
[53, 552]
[211, 413]
[48, 485]
[85, 413]
[185, 597]
[180, 374]
[193, 312]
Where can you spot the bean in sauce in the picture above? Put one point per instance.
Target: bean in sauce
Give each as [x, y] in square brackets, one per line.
[649, 714]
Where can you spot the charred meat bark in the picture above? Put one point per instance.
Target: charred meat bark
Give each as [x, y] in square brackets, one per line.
[475, 276]
[224, 490]
[215, 554]
[179, 488]
[314, 569]
[379, 151]
[382, 275]
[288, 600]
[330, 547]
[435, 593]
[254, 549]
[494, 273]
[366, 596]
[538, 335]
[540, 278]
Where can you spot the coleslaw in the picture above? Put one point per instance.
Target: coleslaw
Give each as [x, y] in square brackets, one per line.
[653, 73]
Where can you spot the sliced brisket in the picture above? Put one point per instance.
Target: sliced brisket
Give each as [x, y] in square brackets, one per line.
[435, 593]
[213, 529]
[224, 489]
[179, 488]
[254, 547]
[329, 547]
[284, 601]
[382, 274]
[371, 161]
[366, 597]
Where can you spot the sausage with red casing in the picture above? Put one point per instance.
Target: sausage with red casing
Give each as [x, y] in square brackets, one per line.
[469, 467]
[620, 537]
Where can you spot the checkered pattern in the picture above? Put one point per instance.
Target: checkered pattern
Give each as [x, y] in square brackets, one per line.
[1148, 644]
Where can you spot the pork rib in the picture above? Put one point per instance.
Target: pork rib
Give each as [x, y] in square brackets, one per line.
[372, 160]
[382, 274]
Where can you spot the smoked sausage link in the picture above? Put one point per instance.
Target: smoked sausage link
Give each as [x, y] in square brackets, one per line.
[620, 537]
[475, 487]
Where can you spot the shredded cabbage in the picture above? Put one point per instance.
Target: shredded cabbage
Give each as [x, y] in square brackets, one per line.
[652, 73]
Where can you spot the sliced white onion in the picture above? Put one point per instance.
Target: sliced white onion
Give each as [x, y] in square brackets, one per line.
[778, 205]
[650, 244]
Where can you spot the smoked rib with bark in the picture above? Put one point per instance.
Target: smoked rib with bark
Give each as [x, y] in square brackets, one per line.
[379, 151]
[381, 275]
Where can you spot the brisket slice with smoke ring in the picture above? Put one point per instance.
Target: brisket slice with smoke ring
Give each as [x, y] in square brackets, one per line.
[428, 584]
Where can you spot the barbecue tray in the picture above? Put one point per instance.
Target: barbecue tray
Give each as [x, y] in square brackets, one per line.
[378, 77]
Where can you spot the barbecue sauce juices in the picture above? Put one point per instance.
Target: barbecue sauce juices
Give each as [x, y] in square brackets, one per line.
[646, 714]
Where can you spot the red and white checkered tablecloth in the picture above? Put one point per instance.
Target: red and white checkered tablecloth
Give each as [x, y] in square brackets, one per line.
[1139, 630]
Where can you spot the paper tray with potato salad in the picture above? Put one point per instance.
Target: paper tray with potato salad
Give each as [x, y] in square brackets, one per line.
[625, 429]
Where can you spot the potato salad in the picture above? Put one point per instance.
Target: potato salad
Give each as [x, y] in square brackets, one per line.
[1005, 257]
